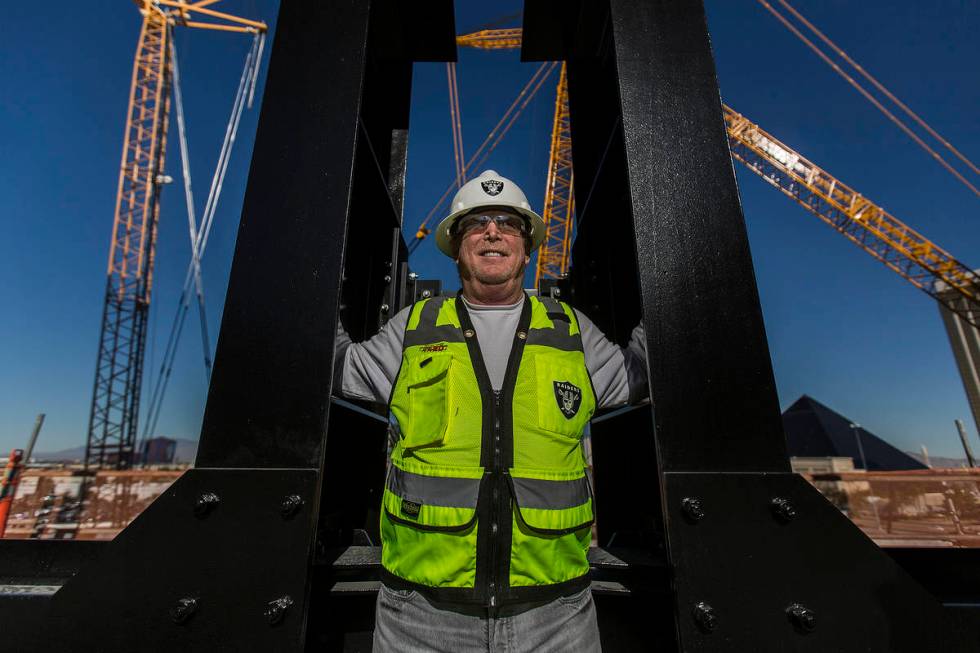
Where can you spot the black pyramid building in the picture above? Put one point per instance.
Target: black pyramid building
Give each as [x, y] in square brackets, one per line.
[814, 430]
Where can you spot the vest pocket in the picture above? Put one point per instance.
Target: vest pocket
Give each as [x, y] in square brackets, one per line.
[551, 534]
[565, 398]
[428, 518]
[555, 503]
[429, 526]
[427, 417]
[434, 503]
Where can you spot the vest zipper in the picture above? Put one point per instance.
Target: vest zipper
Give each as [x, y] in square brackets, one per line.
[496, 456]
[495, 511]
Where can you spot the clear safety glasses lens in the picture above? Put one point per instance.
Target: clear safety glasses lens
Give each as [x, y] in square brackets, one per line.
[506, 224]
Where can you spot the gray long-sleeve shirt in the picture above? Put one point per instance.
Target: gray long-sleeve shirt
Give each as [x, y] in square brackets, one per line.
[371, 367]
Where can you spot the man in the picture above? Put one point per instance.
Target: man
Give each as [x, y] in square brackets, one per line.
[487, 510]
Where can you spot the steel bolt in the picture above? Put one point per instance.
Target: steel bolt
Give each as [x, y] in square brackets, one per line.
[413, 276]
[705, 617]
[804, 619]
[183, 610]
[387, 278]
[384, 308]
[692, 508]
[290, 506]
[782, 509]
[276, 609]
[426, 294]
[206, 503]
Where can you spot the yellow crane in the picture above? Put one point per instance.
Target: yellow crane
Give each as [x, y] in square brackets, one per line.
[921, 262]
[558, 211]
[119, 366]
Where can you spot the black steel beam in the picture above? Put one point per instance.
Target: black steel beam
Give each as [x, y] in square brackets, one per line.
[268, 400]
[41, 562]
[649, 143]
[766, 563]
[199, 570]
[745, 539]
[224, 559]
[710, 371]
[328, 159]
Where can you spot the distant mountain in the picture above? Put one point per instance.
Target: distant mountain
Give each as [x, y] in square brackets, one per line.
[940, 462]
[73, 455]
[186, 453]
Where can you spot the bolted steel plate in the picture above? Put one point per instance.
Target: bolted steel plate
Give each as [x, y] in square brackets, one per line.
[782, 569]
[196, 571]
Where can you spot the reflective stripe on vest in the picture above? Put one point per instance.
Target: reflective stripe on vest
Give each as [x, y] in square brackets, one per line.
[561, 336]
[434, 490]
[550, 495]
[428, 331]
[430, 524]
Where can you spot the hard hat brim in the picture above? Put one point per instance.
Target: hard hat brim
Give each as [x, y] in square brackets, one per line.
[444, 240]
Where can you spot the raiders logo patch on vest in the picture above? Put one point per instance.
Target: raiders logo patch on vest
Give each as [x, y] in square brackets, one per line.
[569, 398]
[492, 186]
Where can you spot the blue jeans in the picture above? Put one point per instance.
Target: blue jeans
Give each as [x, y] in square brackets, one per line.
[407, 622]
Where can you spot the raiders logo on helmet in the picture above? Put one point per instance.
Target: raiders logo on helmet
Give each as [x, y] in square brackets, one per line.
[492, 187]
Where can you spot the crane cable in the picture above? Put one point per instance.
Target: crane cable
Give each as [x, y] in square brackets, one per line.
[850, 80]
[528, 92]
[881, 87]
[496, 134]
[189, 200]
[455, 116]
[243, 97]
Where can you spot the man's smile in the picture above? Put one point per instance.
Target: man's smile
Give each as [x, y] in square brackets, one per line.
[493, 253]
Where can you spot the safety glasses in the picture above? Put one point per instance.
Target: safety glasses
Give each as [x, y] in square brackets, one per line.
[510, 225]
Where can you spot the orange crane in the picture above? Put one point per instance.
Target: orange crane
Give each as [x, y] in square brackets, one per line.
[905, 251]
[119, 366]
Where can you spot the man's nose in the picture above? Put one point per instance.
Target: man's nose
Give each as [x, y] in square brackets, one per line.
[491, 232]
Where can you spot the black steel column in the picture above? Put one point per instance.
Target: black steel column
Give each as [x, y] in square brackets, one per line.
[269, 395]
[759, 560]
[236, 555]
[710, 370]
[329, 157]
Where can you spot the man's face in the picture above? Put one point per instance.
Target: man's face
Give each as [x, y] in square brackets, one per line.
[490, 252]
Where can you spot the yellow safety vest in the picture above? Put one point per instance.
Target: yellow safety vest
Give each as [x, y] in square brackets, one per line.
[487, 499]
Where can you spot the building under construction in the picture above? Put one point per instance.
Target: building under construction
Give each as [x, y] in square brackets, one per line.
[707, 540]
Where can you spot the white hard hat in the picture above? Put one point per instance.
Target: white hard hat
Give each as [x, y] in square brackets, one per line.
[489, 189]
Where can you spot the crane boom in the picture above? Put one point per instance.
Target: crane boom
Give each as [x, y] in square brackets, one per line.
[559, 202]
[492, 39]
[910, 254]
[119, 365]
[114, 411]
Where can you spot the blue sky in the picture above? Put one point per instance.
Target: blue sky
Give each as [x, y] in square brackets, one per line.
[841, 327]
